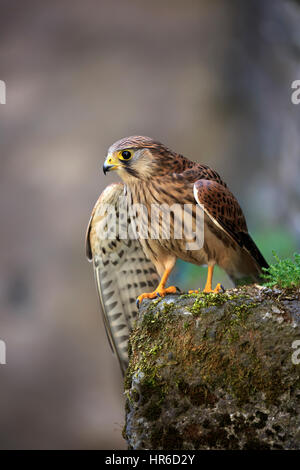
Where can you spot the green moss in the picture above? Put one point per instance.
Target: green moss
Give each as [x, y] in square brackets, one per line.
[207, 300]
[234, 360]
[284, 273]
[145, 343]
[236, 318]
[155, 319]
[204, 301]
[211, 350]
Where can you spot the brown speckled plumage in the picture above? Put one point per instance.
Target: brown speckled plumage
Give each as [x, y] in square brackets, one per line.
[154, 174]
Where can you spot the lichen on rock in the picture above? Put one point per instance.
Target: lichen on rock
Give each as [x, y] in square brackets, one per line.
[215, 371]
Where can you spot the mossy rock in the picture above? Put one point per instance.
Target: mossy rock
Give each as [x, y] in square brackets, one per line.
[215, 372]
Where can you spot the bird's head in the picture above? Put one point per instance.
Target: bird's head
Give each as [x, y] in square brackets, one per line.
[137, 157]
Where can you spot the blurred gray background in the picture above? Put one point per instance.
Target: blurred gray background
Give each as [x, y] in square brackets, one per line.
[212, 80]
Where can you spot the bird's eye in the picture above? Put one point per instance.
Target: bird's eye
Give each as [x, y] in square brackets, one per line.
[125, 155]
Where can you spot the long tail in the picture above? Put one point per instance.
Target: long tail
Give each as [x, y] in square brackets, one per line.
[252, 260]
[251, 247]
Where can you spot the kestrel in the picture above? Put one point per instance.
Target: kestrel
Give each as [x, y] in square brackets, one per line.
[130, 268]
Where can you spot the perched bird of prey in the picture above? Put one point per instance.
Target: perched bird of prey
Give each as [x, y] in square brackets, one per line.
[126, 268]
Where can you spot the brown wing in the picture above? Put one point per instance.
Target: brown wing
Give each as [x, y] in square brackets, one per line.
[224, 210]
[198, 171]
[121, 271]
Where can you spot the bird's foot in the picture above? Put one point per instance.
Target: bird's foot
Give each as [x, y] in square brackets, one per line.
[159, 292]
[219, 288]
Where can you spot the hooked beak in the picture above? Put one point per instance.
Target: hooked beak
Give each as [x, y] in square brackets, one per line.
[107, 167]
[110, 164]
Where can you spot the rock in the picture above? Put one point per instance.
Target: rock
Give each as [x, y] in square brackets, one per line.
[215, 371]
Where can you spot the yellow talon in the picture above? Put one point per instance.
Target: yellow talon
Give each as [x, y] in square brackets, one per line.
[161, 290]
[216, 290]
[208, 286]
